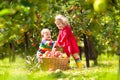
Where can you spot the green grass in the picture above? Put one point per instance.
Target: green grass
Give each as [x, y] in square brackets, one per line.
[107, 69]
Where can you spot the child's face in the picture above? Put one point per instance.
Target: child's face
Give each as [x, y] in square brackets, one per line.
[47, 35]
[59, 24]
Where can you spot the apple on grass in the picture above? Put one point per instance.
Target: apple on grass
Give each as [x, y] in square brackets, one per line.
[51, 69]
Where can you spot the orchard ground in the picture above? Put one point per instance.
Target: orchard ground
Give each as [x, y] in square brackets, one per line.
[107, 69]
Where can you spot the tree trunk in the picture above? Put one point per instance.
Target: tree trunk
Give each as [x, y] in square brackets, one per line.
[26, 43]
[12, 52]
[92, 51]
[86, 50]
[81, 51]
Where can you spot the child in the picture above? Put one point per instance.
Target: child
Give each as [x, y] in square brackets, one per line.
[66, 39]
[46, 43]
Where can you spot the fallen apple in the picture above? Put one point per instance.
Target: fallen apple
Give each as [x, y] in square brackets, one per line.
[51, 69]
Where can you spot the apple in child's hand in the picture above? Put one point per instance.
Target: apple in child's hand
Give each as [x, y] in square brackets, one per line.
[40, 54]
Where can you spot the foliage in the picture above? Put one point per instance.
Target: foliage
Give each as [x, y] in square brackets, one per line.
[32, 63]
[22, 20]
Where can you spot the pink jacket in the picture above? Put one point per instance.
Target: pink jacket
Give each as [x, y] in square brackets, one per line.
[67, 41]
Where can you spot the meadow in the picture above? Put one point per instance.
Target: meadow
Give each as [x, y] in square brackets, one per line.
[107, 69]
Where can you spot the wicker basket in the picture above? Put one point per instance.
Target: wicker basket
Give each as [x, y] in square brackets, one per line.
[54, 63]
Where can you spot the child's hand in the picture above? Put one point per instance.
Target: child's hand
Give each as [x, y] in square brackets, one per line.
[56, 45]
[53, 50]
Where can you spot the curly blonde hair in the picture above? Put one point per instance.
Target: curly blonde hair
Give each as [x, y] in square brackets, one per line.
[45, 30]
[62, 18]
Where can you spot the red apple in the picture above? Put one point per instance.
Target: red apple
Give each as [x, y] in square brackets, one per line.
[47, 53]
[33, 44]
[60, 56]
[40, 54]
[57, 53]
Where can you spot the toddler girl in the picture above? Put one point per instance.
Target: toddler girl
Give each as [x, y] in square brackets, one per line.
[66, 39]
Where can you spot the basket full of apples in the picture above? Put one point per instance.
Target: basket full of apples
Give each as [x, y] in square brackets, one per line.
[54, 60]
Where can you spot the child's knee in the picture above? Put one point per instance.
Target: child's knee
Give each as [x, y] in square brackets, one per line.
[75, 55]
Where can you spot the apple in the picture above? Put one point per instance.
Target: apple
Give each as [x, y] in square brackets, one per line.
[19, 41]
[58, 71]
[33, 44]
[64, 56]
[22, 30]
[47, 53]
[51, 69]
[99, 5]
[89, 1]
[60, 56]
[40, 54]
[44, 55]
[57, 53]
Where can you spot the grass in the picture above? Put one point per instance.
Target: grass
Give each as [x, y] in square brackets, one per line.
[107, 69]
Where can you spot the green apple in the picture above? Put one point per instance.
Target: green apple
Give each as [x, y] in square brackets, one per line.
[100, 5]
[89, 1]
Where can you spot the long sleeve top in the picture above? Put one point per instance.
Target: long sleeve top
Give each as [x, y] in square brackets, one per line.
[45, 46]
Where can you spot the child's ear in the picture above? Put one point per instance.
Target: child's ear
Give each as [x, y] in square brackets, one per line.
[42, 35]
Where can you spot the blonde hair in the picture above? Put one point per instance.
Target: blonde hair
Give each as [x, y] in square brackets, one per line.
[62, 18]
[44, 31]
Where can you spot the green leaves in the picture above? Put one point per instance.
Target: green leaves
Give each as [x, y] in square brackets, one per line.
[7, 12]
[29, 16]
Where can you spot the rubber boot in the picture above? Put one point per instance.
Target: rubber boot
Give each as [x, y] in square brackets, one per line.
[79, 65]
